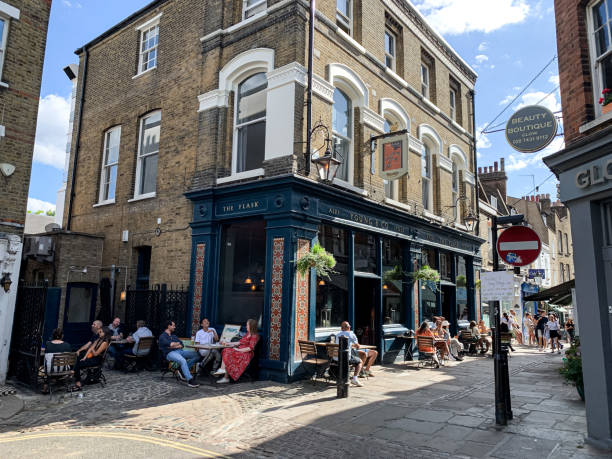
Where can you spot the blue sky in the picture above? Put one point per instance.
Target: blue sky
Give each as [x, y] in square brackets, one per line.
[506, 41]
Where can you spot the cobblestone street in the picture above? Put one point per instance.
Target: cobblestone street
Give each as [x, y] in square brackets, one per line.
[402, 412]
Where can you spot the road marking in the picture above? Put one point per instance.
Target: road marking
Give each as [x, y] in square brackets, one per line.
[519, 245]
[123, 436]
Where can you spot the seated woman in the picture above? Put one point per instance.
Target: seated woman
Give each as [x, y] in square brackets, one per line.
[484, 335]
[440, 338]
[453, 344]
[236, 359]
[425, 331]
[56, 345]
[93, 355]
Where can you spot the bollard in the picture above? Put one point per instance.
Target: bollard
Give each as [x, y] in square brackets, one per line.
[343, 368]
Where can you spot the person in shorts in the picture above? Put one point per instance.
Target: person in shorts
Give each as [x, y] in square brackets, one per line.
[354, 358]
[541, 321]
[554, 330]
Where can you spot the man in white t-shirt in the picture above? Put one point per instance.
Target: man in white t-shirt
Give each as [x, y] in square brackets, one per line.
[354, 358]
[208, 335]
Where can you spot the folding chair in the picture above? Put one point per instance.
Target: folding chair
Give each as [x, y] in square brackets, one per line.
[59, 367]
[143, 350]
[308, 351]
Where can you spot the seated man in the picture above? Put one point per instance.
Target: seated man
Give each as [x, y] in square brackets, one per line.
[141, 332]
[484, 335]
[172, 350]
[117, 333]
[354, 358]
[208, 335]
[96, 326]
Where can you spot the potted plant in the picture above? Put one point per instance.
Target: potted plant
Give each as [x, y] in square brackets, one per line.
[606, 100]
[318, 258]
[572, 367]
[426, 274]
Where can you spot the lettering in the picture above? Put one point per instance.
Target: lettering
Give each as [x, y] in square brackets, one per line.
[594, 175]
[242, 206]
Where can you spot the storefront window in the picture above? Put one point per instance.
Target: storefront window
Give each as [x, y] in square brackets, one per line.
[429, 307]
[242, 272]
[393, 287]
[332, 294]
[461, 282]
[445, 266]
[428, 257]
[365, 253]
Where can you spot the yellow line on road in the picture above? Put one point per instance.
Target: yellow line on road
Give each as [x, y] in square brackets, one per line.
[117, 435]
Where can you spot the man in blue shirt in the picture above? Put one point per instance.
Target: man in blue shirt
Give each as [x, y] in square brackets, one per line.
[353, 355]
[173, 350]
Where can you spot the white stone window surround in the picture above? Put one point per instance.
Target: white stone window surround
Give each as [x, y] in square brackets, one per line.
[139, 159]
[142, 29]
[7, 12]
[105, 169]
[429, 136]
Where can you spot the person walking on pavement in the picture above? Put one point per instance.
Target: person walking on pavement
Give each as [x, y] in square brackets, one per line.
[540, 330]
[505, 326]
[554, 329]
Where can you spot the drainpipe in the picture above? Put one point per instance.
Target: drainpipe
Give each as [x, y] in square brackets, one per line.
[309, 93]
[475, 160]
[78, 140]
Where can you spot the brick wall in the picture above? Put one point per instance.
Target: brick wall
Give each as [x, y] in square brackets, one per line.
[19, 96]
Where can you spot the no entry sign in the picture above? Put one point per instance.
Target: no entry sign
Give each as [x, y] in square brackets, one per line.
[519, 246]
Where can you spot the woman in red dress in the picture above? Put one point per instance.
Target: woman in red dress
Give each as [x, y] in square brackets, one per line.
[236, 359]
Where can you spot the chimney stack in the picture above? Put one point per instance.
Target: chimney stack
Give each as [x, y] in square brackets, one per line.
[537, 198]
[479, 170]
[495, 164]
[502, 164]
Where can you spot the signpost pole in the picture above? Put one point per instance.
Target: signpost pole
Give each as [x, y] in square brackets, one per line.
[500, 398]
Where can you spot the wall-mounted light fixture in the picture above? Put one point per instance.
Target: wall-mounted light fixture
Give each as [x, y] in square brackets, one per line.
[328, 163]
[6, 282]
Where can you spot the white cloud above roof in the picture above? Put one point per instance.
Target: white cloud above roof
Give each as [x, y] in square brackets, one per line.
[455, 17]
[52, 130]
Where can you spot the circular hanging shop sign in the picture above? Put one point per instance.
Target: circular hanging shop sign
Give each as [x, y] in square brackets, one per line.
[531, 129]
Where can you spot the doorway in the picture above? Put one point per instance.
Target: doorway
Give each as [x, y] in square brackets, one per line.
[79, 311]
[367, 291]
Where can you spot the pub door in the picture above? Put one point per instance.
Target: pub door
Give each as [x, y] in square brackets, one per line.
[366, 293]
[79, 312]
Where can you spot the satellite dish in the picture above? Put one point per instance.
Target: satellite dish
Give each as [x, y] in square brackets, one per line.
[50, 227]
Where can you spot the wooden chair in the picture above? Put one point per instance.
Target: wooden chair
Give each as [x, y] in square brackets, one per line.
[332, 354]
[143, 350]
[424, 343]
[468, 341]
[308, 351]
[61, 368]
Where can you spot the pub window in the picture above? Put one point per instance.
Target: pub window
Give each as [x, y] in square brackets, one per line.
[391, 186]
[600, 40]
[390, 49]
[344, 15]
[342, 133]
[332, 294]
[250, 124]
[445, 266]
[365, 252]
[242, 272]
[393, 285]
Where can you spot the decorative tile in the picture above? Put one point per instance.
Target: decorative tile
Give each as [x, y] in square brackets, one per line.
[276, 303]
[302, 298]
[197, 287]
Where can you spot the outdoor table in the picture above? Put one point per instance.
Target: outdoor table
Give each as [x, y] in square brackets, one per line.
[408, 346]
[210, 346]
[119, 341]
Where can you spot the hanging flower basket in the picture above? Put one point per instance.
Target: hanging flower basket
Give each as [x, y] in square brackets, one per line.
[394, 274]
[318, 258]
[426, 274]
[461, 280]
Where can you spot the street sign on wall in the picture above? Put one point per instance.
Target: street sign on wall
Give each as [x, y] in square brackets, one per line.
[531, 128]
[519, 246]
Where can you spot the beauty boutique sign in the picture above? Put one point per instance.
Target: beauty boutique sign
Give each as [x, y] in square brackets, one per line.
[531, 128]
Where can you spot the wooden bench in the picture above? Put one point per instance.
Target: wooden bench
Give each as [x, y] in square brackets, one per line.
[308, 352]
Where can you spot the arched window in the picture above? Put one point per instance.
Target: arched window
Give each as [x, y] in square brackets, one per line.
[342, 132]
[426, 176]
[455, 192]
[250, 123]
[392, 186]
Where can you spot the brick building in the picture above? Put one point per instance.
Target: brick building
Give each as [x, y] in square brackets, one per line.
[584, 169]
[189, 160]
[23, 35]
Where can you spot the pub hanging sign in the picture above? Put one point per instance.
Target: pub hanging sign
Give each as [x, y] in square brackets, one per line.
[393, 156]
[531, 128]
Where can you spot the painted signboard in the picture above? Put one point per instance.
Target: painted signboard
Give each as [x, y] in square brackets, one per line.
[531, 128]
[393, 157]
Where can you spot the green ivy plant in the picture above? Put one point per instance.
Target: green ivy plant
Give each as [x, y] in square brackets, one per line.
[318, 258]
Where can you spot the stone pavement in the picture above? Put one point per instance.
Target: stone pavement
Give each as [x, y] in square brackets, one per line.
[402, 412]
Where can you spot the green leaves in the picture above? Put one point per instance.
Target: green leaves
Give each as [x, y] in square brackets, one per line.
[318, 258]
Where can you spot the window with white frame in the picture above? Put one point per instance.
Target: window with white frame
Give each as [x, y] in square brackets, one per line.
[344, 15]
[560, 242]
[567, 251]
[426, 176]
[148, 151]
[453, 104]
[149, 38]
[390, 49]
[391, 186]
[342, 132]
[250, 123]
[562, 272]
[455, 192]
[110, 160]
[424, 80]
[252, 7]
[493, 202]
[4, 25]
[600, 38]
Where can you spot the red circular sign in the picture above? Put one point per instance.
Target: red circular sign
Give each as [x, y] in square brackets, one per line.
[519, 246]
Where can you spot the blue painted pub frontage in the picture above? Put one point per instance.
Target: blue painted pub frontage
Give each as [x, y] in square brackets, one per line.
[247, 238]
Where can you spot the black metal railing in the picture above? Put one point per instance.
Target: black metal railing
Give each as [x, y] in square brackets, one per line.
[26, 338]
[156, 307]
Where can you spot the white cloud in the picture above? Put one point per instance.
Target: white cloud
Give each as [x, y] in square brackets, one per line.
[51, 130]
[483, 46]
[540, 98]
[506, 100]
[482, 141]
[554, 80]
[519, 161]
[481, 58]
[34, 205]
[69, 4]
[460, 16]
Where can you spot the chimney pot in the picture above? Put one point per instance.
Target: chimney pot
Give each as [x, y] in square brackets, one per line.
[502, 164]
[495, 164]
[480, 170]
[538, 198]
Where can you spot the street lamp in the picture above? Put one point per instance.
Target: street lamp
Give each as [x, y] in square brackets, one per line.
[470, 221]
[6, 282]
[327, 164]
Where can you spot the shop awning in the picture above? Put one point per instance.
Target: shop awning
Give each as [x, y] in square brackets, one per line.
[559, 294]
